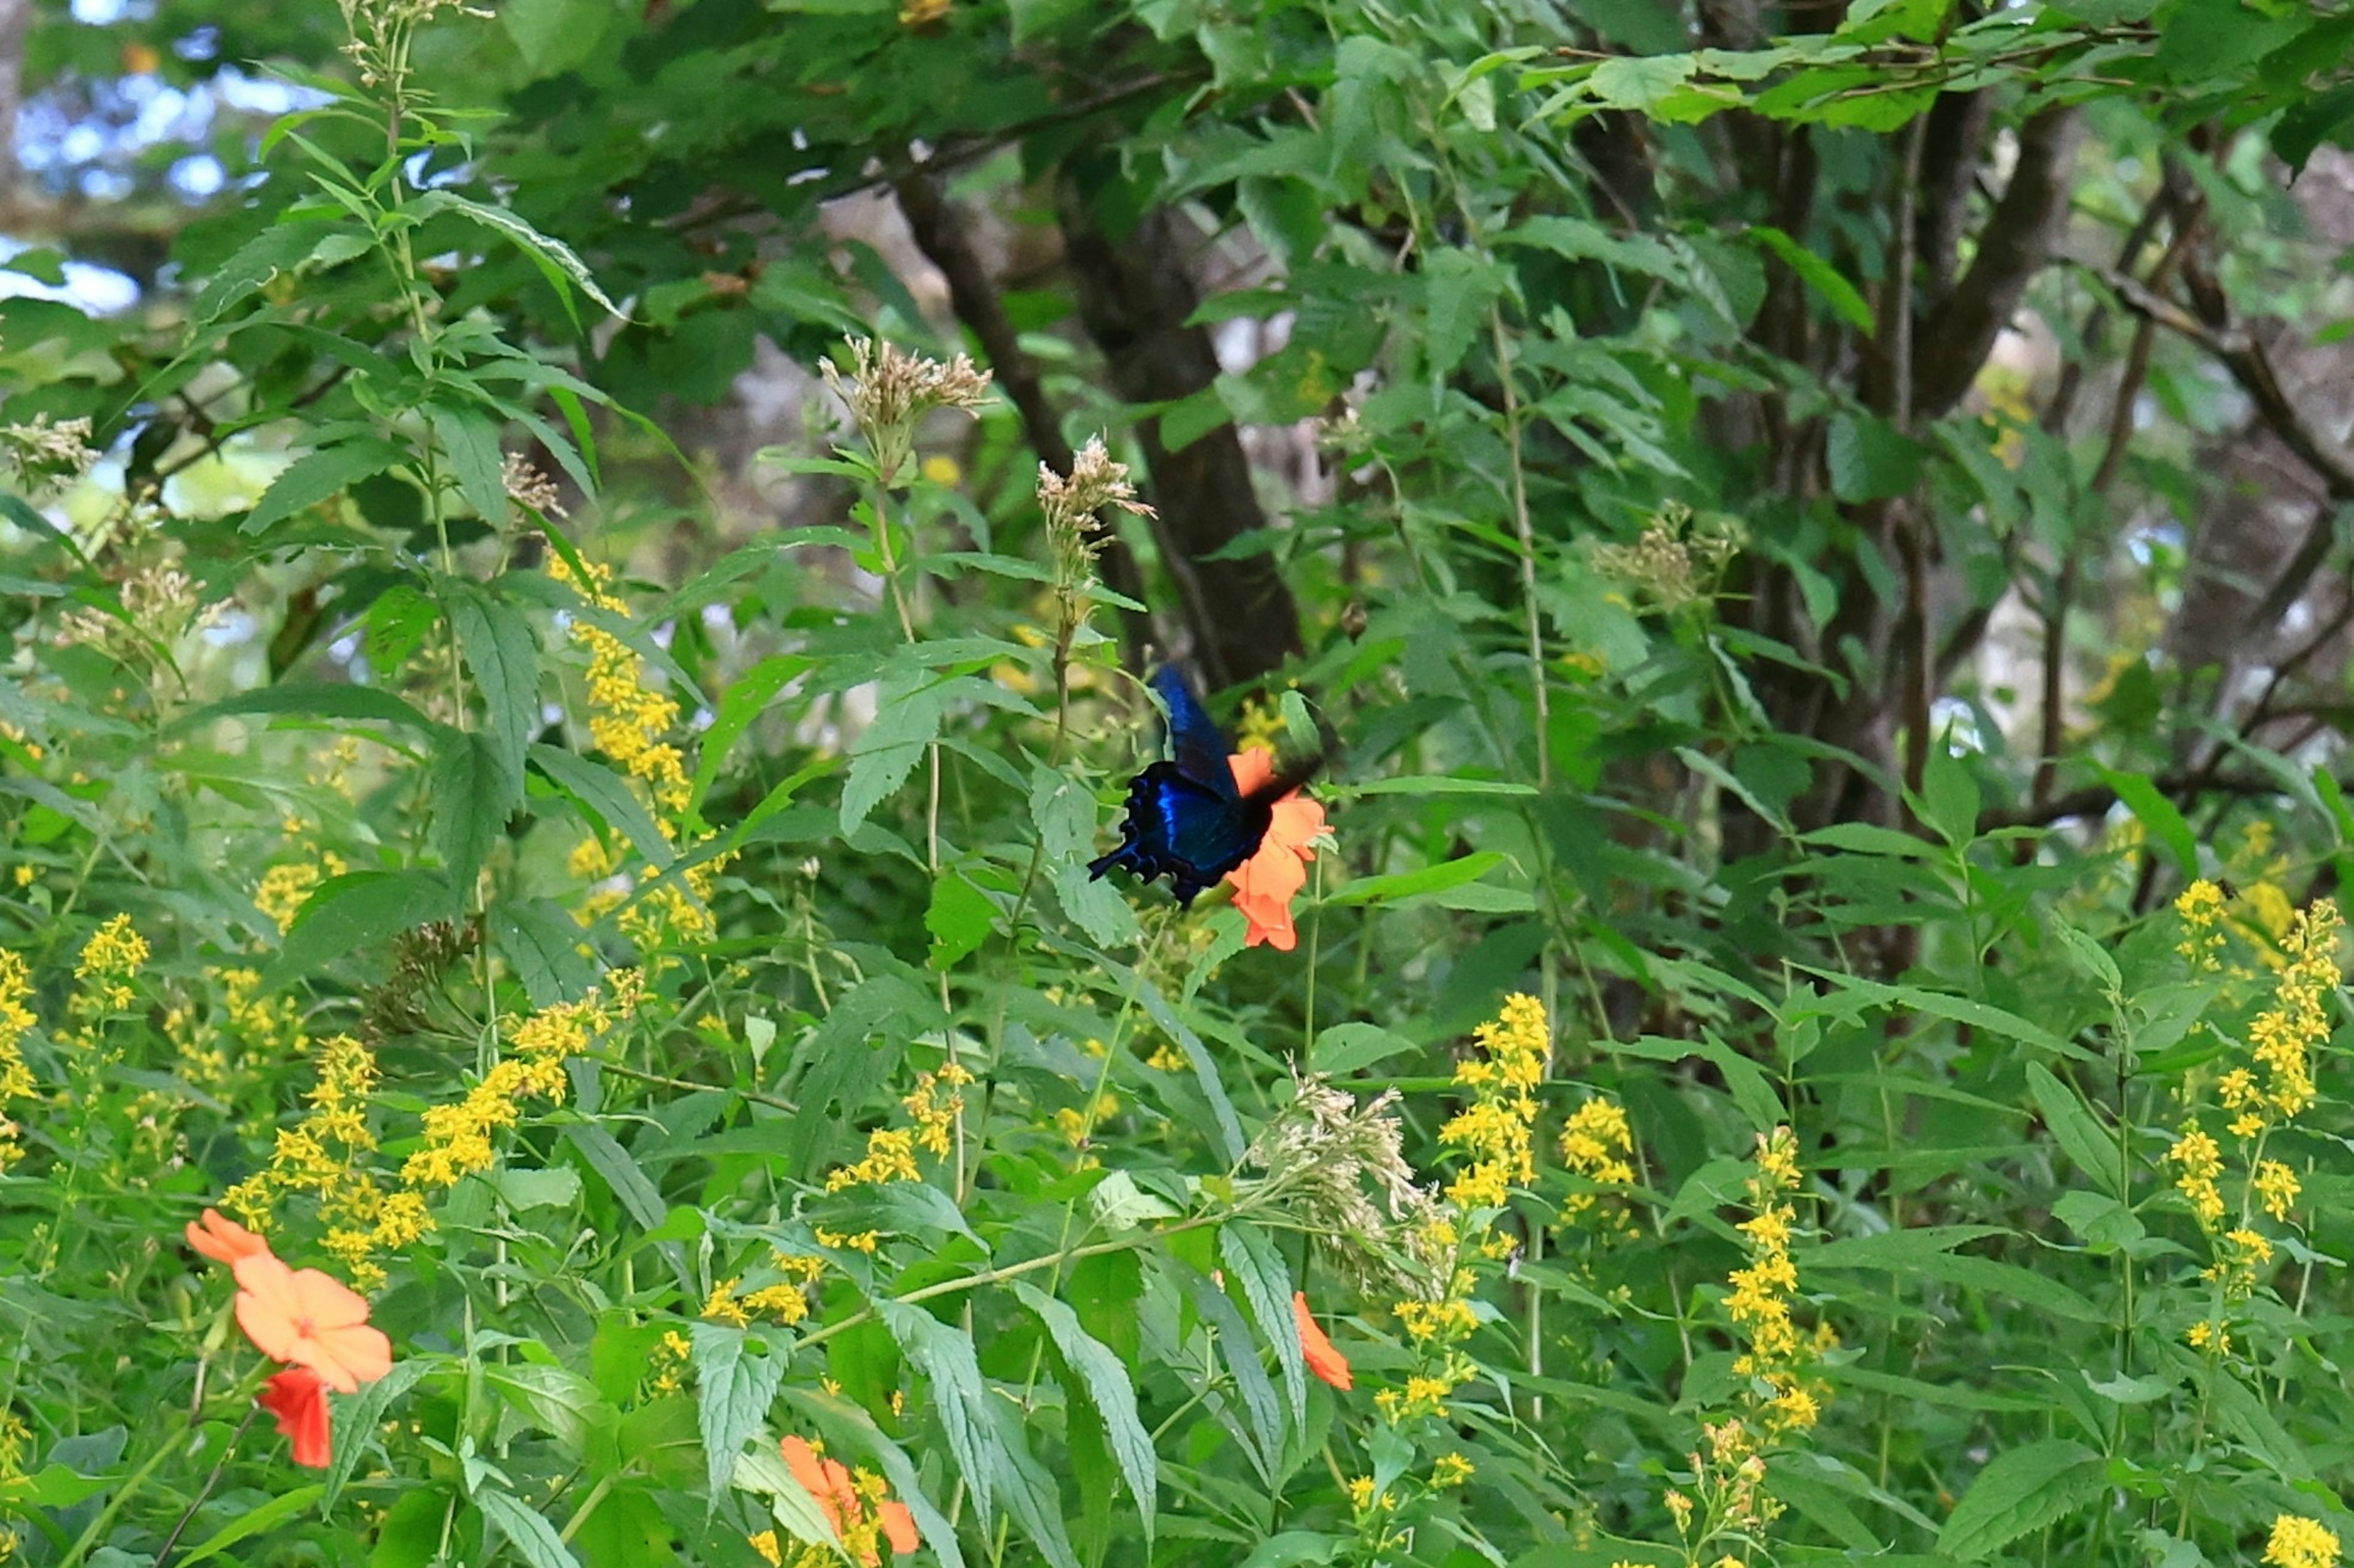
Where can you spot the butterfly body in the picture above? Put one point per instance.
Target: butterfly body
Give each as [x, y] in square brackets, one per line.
[1185, 819]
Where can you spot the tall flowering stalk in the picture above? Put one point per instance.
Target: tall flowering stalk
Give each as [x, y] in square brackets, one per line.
[1777, 1356]
[2263, 1095]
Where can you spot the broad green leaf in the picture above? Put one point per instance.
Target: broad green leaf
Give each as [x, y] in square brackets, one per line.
[1028, 1487]
[735, 1381]
[946, 1358]
[534, 1538]
[1401, 884]
[322, 701]
[1870, 459]
[1346, 1047]
[2025, 1489]
[961, 918]
[1239, 1350]
[360, 912]
[470, 439]
[361, 1413]
[763, 1470]
[1266, 1285]
[2090, 1145]
[503, 660]
[554, 259]
[2159, 816]
[541, 943]
[1844, 298]
[321, 475]
[472, 795]
[284, 1506]
[277, 248]
[630, 1184]
[747, 698]
[1109, 1391]
[608, 797]
[397, 623]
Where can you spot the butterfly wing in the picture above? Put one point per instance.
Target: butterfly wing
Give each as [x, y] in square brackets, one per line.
[1195, 741]
[1177, 829]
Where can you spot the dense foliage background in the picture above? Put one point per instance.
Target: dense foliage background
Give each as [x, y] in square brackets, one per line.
[554, 724]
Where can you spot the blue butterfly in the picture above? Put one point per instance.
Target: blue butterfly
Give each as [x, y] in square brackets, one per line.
[1185, 819]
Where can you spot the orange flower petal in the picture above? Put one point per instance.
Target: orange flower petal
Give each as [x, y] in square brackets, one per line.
[824, 1479]
[898, 1526]
[222, 1239]
[1325, 1362]
[298, 1398]
[310, 1319]
[1267, 882]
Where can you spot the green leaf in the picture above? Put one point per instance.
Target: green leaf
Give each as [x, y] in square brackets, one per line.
[556, 1400]
[1401, 884]
[1870, 461]
[397, 623]
[1345, 1047]
[472, 795]
[541, 943]
[555, 36]
[320, 700]
[1844, 298]
[946, 1358]
[1638, 81]
[1028, 1487]
[284, 1506]
[620, 1172]
[553, 258]
[1240, 1352]
[2157, 814]
[961, 918]
[1111, 1394]
[534, 1538]
[1950, 797]
[470, 439]
[747, 698]
[2023, 1489]
[2077, 1129]
[1441, 784]
[763, 1471]
[503, 660]
[361, 912]
[734, 1388]
[321, 475]
[607, 797]
[360, 1417]
[1267, 1286]
[277, 248]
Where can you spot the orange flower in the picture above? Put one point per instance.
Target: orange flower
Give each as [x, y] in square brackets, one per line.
[306, 1317]
[829, 1482]
[1266, 884]
[1322, 1360]
[223, 1239]
[298, 1397]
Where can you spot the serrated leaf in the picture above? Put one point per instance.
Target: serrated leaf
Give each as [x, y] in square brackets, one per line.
[960, 918]
[609, 796]
[734, 1388]
[2023, 1489]
[1028, 1487]
[553, 258]
[397, 623]
[946, 1358]
[1111, 1394]
[2073, 1125]
[359, 1418]
[252, 266]
[541, 941]
[321, 475]
[473, 796]
[503, 660]
[470, 439]
[361, 912]
[253, 1522]
[534, 1538]
[1267, 1286]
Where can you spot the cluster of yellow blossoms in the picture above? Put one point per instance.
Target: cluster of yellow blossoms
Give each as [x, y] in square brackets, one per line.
[458, 1139]
[1728, 1503]
[285, 888]
[1777, 1355]
[110, 962]
[2263, 1095]
[934, 1104]
[16, 1078]
[2301, 1543]
[1495, 1128]
[16, 1442]
[330, 1153]
[1598, 1144]
[785, 1300]
[627, 720]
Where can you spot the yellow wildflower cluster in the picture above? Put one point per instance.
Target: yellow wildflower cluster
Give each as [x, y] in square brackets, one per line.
[935, 1103]
[1728, 1501]
[786, 1300]
[627, 720]
[1494, 1129]
[110, 962]
[2301, 1543]
[2240, 1257]
[1450, 1470]
[15, 1020]
[285, 888]
[1368, 1499]
[850, 1241]
[2200, 1161]
[330, 1153]
[2283, 1037]
[1763, 1289]
[1077, 1126]
[2201, 910]
[1445, 1320]
[16, 1442]
[1598, 1144]
[457, 1138]
[765, 1544]
[667, 1366]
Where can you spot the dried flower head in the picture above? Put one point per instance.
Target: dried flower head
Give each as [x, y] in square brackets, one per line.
[527, 487]
[1678, 560]
[46, 452]
[1097, 481]
[1336, 1164]
[889, 389]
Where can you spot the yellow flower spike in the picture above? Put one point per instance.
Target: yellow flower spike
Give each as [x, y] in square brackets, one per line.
[2301, 1543]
